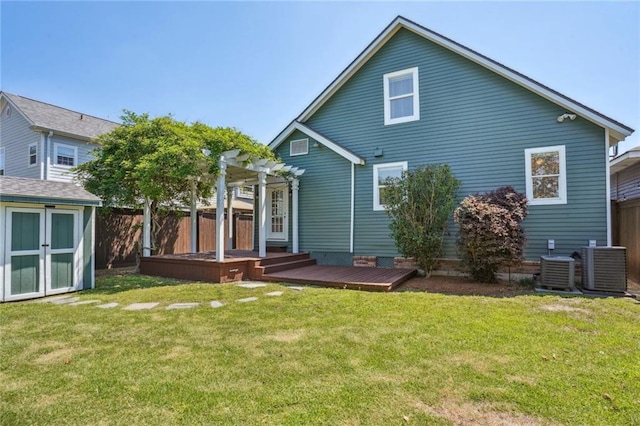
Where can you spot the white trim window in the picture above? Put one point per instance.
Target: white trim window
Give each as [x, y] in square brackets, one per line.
[401, 96]
[382, 172]
[299, 147]
[33, 154]
[1, 160]
[245, 191]
[546, 175]
[65, 155]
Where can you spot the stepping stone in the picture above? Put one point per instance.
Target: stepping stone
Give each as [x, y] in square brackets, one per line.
[275, 293]
[108, 305]
[247, 299]
[183, 305]
[296, 288]
[216, 304]
[64, 300]
[252, 285]
[84, 302]
[140, 306]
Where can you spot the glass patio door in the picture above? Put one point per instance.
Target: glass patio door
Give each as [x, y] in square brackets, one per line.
[277, 207]
[41, 252]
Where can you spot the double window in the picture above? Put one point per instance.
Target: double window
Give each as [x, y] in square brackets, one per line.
[381, 174]
[401, 96]
[65, 155]
[546, 175]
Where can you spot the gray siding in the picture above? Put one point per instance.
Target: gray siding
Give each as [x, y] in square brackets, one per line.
[625, 185]
[15, 137]
[324, 213]
[473, 119]
[62, 173]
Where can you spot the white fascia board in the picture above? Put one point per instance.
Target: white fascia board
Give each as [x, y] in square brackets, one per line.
[10, 102]
[625, 160]
[318, 137]
[617, 131]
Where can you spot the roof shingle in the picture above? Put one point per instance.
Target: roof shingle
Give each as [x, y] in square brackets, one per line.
[36, 189]
[62, 120]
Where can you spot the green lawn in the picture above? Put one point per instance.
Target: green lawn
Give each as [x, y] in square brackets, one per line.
[320, 356]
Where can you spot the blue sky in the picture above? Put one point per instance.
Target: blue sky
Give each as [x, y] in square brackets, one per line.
[257, 65]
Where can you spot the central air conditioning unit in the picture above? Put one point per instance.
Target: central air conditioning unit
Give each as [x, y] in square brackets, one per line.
[604, 269]
[557, 271]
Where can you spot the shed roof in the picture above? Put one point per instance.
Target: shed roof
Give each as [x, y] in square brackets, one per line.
[625, 160]
[44, 116]
[26, 190]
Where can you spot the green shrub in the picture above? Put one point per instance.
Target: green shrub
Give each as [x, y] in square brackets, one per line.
[420, 205]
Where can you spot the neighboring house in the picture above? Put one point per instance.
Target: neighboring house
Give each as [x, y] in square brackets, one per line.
[625, 196]
[48, 236]
[43, 141]
[415, 97]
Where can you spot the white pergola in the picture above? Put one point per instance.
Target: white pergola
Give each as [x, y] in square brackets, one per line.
[239, 169]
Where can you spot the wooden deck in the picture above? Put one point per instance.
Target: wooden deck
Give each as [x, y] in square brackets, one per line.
[277, 266]
[357, 278]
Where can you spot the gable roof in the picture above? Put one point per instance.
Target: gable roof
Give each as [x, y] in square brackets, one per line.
[45, 192]
[617, 130]
[44, 117]
[333, 146]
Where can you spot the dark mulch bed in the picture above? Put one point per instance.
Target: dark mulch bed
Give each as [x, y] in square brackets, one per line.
[463, 286]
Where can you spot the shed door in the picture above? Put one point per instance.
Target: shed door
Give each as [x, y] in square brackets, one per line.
[43, 254]
[24, 266]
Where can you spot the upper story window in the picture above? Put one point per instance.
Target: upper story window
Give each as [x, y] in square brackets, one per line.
[33, 154]
[65, 155]
[299, 147]
[1, 160]
[381, 173]
[401, 96]
[546, 175]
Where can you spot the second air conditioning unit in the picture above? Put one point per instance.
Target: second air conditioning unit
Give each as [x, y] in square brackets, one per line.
[604, 269]
[557, 271]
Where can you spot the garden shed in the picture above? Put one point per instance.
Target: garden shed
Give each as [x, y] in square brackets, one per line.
[47, 231]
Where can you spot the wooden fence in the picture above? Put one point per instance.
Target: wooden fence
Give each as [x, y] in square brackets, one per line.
[626, 232]
[119, 233]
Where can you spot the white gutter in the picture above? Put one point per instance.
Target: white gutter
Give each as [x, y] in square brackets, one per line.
[48, 157]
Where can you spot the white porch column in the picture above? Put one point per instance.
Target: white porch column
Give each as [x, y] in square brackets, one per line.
[146, 229]
[294, 214]
[220, 190]
[262, 214]
[230, 218]
[194, 219]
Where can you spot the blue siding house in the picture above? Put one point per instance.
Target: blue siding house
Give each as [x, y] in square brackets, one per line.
[415, 97]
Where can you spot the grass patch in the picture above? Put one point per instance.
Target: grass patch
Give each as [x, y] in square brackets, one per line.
[321, 356]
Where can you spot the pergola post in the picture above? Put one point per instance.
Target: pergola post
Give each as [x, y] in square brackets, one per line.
[294, 214]
[262, 214]
[220, 190]
[194, 218]
[230, 218]
[146, 229]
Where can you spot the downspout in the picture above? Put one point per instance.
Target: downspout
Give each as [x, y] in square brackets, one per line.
[42, 154]
[47, 164]
[353, 195]
[608, 180]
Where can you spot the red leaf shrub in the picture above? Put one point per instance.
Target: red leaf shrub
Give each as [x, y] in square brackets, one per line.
[491, 233]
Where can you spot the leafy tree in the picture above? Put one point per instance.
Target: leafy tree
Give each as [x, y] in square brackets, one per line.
[420, 205]
[491, 232]
[158, 160]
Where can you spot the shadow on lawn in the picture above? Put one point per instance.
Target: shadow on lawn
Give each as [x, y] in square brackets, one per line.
[125, 279]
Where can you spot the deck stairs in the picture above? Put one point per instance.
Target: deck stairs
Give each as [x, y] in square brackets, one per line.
[264, 267]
